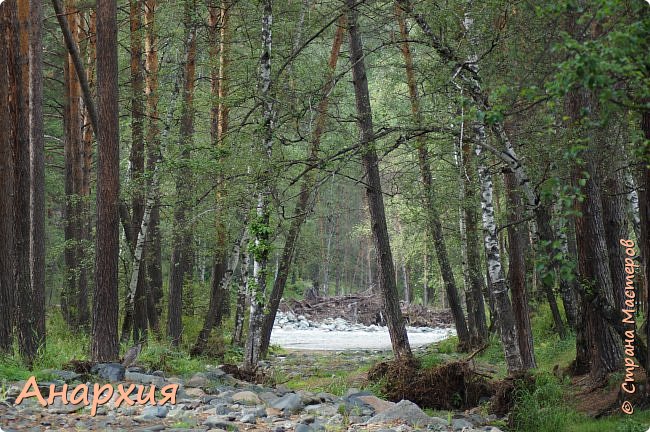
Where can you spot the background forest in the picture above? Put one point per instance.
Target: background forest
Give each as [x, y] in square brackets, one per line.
[170, 170]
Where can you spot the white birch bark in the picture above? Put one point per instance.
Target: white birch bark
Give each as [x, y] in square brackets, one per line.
[260, 263]
[499, 287]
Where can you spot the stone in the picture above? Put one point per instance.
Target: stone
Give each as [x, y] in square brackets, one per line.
[407, 412]
[194, 392]
[303, 428]
[198, 380]
[59, 408]
[141, 378]
[273, 412]
[109, 371]
[267, 396]
[220, 408]
[246, 398]
[459, 424]
[153, 412]
[250, 418]
[219, 422]
[288, 403]
[66, 376]
[325, 410]
[377, 405]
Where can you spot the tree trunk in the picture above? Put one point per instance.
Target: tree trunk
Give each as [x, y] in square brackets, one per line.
[434, 225]
[105, 300]
[616, 228]
[602, 342]
[633, 202]
[260, 226]
[242, 295]
[72, 151]
[644, 239]
[386, 277]
[136, 160]
[37, 170]
[214, 316]
[219, 49]
[85, 160]
[7, 137]
[27, 341]
[499, 288]
[567, 287]
[475, 275]
[153, 252]
[300, 210]
[517, 233]
[181, 241]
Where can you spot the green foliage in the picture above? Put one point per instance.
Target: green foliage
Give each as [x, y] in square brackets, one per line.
[542, 408]
[156, 356]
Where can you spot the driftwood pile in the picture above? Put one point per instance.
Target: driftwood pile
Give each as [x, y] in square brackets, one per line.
[363, 308]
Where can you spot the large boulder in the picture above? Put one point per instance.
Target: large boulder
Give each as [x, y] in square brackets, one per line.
[406, 412]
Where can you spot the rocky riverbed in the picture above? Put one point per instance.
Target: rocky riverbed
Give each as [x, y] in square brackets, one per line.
[215, 401]
[335, 334]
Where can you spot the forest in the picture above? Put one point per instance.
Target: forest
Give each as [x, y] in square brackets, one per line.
[192, 190]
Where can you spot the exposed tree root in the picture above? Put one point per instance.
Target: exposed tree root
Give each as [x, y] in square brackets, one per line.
[453, 385]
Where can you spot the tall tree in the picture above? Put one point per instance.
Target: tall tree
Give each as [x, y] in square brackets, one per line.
[474, 285]
[153, 253]
[182, 238]
[386, 276]
[37, 169]
[104, 346]
[7, 131]
[517, 240]
[434, 225]
[26, 320]
[135, 318]
[219, 55]
[260, 229]
[498, 285]
[72, 153]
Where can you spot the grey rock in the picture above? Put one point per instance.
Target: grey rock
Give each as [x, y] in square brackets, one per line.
[66, 376]
[109, 371]
[153, 413]
[219, 422]
[268, 396]
[221, 408]
[198, 380]
[143, 378]
[407, 412]
[250, 418]
[304, 428]
[459, 424]
[324, 410]
[290, 403]
[246, 398]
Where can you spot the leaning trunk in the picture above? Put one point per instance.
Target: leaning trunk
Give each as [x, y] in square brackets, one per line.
[386, 269]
